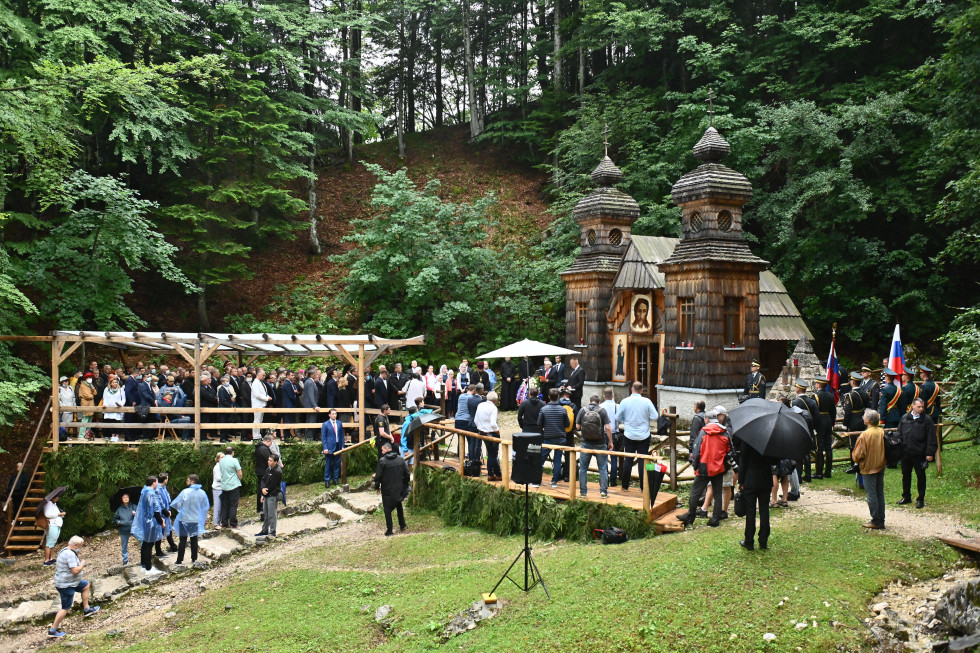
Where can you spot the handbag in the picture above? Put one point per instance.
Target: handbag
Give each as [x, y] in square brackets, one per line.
[740, 507]
[611, 535]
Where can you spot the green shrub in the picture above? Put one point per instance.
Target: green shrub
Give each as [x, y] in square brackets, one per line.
[460, 501]
[94, 474]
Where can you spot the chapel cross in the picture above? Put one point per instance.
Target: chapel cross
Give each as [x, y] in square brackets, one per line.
[711, 108]
[605, 137]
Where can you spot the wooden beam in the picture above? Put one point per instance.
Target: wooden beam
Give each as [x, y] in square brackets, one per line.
[346, 354]
[197, 394]
[68, 352]
[361, 430]
[376, 353]
[183, 352]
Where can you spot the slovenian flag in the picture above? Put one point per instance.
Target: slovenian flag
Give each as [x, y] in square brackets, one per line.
[833, 370]
[896, 358]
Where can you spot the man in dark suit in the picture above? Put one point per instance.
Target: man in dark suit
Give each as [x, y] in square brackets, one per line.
[824, 426]
[147, 398]
[755, 484]
[289, 398]
[559, 369]
[508, 385]
[131, 389]
[398, 381]
[381, 390]
[332, 438]
[260, 459]
[576, 380]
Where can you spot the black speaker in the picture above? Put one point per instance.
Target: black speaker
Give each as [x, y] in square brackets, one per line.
[526, 469]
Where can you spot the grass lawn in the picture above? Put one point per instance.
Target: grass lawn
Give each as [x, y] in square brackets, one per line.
[955, 492]
[694, 591]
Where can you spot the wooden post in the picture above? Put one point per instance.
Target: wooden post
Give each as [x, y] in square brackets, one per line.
[343, 469]
[572, 474]
[55, 415]
[461, 448]
[939, 450]
[415, 447]
[672, 438]
[505, 446]
[646, 486]
[197, 394]
[361, 430]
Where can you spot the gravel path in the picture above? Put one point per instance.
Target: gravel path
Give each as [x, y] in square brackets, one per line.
[907, 523]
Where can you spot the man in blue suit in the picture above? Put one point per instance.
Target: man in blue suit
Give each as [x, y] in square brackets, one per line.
[332, 439]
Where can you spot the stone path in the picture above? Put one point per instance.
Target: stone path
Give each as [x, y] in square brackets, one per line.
[329, 510]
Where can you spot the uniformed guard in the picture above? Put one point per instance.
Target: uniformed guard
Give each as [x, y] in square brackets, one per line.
[929, 391]
[824, 426]
[890, 405]
[869, 385]
[755, 383]
[809, 406]
[855, 402]
[910, 391]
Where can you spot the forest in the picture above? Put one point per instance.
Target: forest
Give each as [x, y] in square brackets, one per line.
[156, 147]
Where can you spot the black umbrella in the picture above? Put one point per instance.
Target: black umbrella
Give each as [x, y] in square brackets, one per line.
[134, 497]
[55, 493]
[419, 421]
[771, 428]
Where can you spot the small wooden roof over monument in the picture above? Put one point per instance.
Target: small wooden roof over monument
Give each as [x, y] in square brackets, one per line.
[779, 319]
[246, 344]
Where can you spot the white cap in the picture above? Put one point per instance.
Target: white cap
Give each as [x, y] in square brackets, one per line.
[721, 410]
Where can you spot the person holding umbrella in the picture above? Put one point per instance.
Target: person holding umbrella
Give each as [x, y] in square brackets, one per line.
[55, 519]
[148, 524]
[764, 432]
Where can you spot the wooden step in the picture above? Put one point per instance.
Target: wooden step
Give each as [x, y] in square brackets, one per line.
[36, 491]
[22, 547]
[26, 530]
[25, 538]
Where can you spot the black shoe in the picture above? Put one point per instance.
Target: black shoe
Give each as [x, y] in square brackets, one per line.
[764, 546]
[179, 562]
[746, 545]
[713, 523]
[919, 503]
[401, 528]
[701, 512]
[818, 476]
[172, 549]
[827, 475]
[261, 534]
[724, 515]
[807, 479]
[388, 533]
[904, 501]
[686, 518]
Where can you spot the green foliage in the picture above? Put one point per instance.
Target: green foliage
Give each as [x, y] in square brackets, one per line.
[962, 348]
[460, 501]
[300, 309]
[93, 474]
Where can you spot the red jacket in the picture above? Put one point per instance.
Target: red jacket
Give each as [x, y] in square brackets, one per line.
[715, 445]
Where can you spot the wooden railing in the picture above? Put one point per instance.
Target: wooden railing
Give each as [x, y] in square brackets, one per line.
[13, 511]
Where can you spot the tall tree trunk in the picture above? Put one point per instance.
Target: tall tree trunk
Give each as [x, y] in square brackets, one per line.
[557, 51]
[438, 80]
[400, 95]
[355, 77]
[410, 76]
[581, 71]
[539, 45]
[202, 302]
[476, 119]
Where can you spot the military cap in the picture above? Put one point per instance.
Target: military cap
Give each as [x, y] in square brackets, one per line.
[923, 368]
[856, 376]
[890, 372]
[756, 363]
[866, 368]
[801, 386]
[824, 381]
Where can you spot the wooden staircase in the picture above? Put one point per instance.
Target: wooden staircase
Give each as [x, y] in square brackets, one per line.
[23, 536]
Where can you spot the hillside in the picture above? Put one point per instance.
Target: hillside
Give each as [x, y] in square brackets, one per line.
[465, 170]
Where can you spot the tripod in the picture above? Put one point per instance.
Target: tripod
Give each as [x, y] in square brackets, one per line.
[531, 574]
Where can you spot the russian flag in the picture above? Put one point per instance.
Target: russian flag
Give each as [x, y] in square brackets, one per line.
[896, 358]
[833, 370]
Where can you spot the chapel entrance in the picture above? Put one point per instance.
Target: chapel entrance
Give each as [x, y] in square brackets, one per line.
[646, 363]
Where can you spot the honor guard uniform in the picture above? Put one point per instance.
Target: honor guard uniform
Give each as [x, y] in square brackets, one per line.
[929, 392]
[809, 407]
[755, 383]
[910, 391]
[824, 426]
[855, 403]
[890, 405]
[870, 386]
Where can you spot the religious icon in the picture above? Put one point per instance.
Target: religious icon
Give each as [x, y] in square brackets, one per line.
[641, 316]
[619, 357]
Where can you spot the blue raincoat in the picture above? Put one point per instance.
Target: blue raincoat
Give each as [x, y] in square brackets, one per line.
[168, 524]
[145, 527]
[193, 505]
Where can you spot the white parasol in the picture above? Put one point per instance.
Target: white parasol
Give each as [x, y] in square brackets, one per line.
[526, 348]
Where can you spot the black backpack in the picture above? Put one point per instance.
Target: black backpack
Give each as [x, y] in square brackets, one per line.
[472, 468]
[611, 535]
[591, 425]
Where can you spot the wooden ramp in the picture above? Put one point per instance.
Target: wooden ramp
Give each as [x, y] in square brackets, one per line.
[971, 546]
[664, 506]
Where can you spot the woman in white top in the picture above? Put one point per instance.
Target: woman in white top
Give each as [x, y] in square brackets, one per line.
[216, 489]
[431, 386]
[113, 397]
[55, 521]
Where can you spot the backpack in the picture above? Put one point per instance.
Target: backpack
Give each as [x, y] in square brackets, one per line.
[611, 535]
[571, 418]
[591, 425]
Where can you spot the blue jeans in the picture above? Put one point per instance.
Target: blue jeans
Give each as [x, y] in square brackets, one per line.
[556, 473]
[124, 540]
[874, 487]
[583, 466]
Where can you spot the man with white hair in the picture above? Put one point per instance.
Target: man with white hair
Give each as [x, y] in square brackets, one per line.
[709, 455]
[485, 422]
[68, 580]
[260, 399]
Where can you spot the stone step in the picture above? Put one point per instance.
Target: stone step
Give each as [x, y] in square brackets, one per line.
[27, 611]
[136, 576]
[337, 512]
[109, 586]
[244, 535]
[304, 523]
[362, 503]
[220, 547]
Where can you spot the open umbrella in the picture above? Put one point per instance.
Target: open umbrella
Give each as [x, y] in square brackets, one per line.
[526, 348]
[771, 428]
[417, 423]
[55, 493]
[134, 497]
